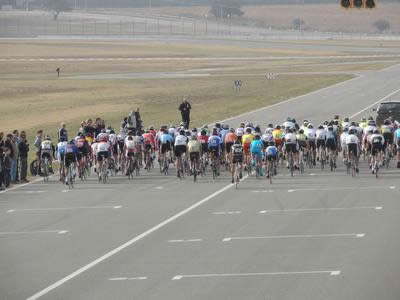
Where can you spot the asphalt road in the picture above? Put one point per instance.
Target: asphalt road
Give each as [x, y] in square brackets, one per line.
[320, 235]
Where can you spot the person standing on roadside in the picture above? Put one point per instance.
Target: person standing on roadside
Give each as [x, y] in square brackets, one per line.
[8, 151]
[38, 143]
[185, 108]
[2, 159]
[16, 140]
[14, 158]
[23, 147]
[62, 132]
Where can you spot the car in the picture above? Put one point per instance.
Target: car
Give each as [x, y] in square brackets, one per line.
[387, 109]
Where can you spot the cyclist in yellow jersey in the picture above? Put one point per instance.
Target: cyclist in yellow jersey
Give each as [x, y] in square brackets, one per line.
[277, 134]
[247, 138]
[363, 123]
[302, 140]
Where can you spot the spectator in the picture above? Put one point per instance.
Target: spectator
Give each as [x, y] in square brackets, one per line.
[8, 151]
[89, 128]
[124, 123]
[62, 132]
[185, 108]
[14, 159]
[23, 156]
[16, 139]
[2, 159]
[132, 120]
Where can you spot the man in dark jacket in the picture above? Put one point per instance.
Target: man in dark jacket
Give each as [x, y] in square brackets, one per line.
[138, 119]
[185, 108]
[8, 151]
[23, 155]
[62, 132]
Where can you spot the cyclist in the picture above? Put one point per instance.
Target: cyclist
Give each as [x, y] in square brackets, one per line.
[61, 155]
[291, 146]
[71, 153]
[257, 150]
[311, 134]
[397, 141]
[47, 150]
[240, 131]
[230, 139]
[363, 123]
[149, 146]
[277, 134]
[302, 142]
[224, 131]
[387, 130]
[377, 141]
[103, 151]
[343, 142]
[331, 143]
[271, 155]
[139, 140]
[82, 146]
[214, 145]
[237, 157]
[194, 148]
[247, 138]
[181, 141]
[267, 137]
[352, 144]
[129, 150]
[203, 138]
[113, 139]
[321, 137]
[165, 145]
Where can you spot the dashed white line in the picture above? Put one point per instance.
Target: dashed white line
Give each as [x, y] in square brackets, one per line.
[185, 241]
[63, 208]
[226, 213]
[319, 209]
[357, 235]
[34, 232]
[329, 272]
[127, 278]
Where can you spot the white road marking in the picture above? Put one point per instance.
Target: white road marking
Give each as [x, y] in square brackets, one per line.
[22, 185]
[341, 188]
[63, 208]
[185, 241]
[127, 278]
[264, 191]
[159, 188]
[34, 232]
[358, 235]
[330, 272]
[377, 102]
[226, 213]
[319, 209]
[127, 244]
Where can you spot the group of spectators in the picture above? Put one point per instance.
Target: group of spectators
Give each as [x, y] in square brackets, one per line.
[14, 149]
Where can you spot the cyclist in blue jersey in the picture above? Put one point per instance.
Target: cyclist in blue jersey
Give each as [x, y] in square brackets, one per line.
[256, 150]
[214, 147]
[61, 146]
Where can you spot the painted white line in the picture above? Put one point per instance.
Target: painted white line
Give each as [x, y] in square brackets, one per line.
[127, 244]
[34, 232]
[127, 278]
[22, 185]
[319, 209]
[358, 235]
[264, 191]
[329, 272]
[342, 188]
[226, 213]
[185, 241]
[19, 193]
[380, 100]
[63, 208]
[159, 188]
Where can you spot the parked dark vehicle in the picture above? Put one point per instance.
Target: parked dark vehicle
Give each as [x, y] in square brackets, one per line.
[386, 110]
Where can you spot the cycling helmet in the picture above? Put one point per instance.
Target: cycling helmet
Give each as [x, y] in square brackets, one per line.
[218, 125]
[151, 128]
[310, 126]
[301, 131]
[289, 130]
[326, 123]
[335, 122]
[270, 125]
[370, 131]
[182, 132]
[330, 128]
[242, 125]
[130, 138]
[320, 127]
[225, 126]
[386, 122]
[248, 130]
[112, 131]
[232, 129]
[353, 124]
[257, 129]
[346, 119]
[278, 127]
[188, 133]
[82, 136]
[193, 137]
[215, 131]
[371, 123]
[257, 136]
[376, 131]
[272, 143]
[203, 132]
[346, 129]
[363, 119]
[370, 118]
[352, 131]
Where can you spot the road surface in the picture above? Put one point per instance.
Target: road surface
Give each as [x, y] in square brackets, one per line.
[321, 235]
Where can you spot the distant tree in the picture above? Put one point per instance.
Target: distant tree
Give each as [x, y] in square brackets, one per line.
[382, 25]
[58, 6]
[298, 23]
[225, 8]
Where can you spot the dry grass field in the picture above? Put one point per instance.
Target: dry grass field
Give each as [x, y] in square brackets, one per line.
[321, 17]
[32, 97]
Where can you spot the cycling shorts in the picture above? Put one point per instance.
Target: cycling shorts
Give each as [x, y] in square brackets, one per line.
[352, 148]
[214, 150]
[246, 148]
[271, 157]
[237, 159]
[376, 148]
[69, 159]
[46, 154]
[388, 138]
[228, 147]
[179, 150]
[331, 144]
[165, 147]
[204, 147]
[291, 148]
[320, 143]
[102, 154]
[311, 145]
[194, 156]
